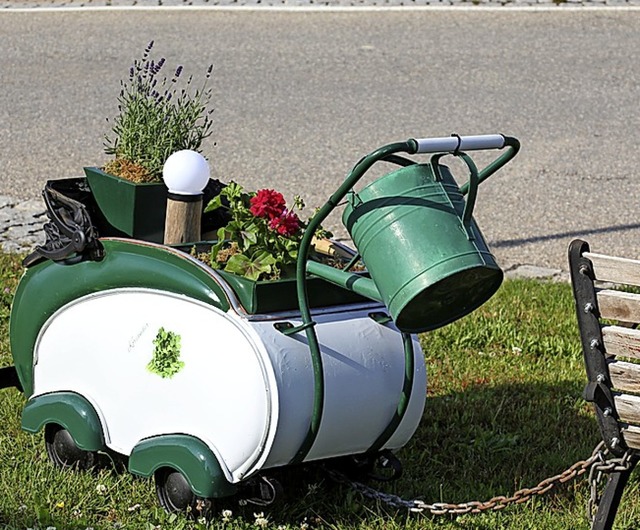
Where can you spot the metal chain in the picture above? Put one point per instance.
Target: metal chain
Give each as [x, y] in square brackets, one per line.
[601, 466]
[597, 461]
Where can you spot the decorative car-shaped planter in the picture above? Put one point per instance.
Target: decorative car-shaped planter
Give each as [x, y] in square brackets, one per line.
[206, 381]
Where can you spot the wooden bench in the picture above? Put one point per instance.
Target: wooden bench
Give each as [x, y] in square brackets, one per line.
[608, 315]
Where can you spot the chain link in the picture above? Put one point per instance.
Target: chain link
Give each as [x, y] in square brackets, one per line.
[601, 466]
[597, 464]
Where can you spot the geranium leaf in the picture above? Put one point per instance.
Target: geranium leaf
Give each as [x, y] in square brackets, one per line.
[215, 249]
[214, 204]
[264, 257]
[252, 269]
[248, 238]
[238, 264]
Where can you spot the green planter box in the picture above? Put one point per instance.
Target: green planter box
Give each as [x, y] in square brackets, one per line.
[127, 208]
[281, 295]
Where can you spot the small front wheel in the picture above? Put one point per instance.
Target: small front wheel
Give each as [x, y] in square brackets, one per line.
[63, 451]
[175, 494]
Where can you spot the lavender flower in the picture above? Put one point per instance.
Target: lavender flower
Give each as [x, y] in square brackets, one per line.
[158, 66]
[151, 123]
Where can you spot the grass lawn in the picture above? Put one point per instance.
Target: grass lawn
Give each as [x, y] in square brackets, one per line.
[503, 412]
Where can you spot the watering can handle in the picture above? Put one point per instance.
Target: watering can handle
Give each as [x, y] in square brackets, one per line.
[455, 143]
[471, 187]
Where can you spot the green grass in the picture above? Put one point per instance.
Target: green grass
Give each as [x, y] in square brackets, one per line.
[503, 411]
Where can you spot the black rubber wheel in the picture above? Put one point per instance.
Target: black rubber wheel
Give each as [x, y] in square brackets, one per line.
[175, 494]
[63, 451]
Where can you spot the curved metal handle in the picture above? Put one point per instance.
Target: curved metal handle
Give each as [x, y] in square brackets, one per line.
[455, 143]
[513, 146]
[474, 180]
[471, 187]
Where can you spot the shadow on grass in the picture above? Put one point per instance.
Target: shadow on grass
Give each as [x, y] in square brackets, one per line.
[488, 438]
[485, 441]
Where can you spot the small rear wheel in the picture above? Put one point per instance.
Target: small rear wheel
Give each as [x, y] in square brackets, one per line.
[175, 494]
[63, 451]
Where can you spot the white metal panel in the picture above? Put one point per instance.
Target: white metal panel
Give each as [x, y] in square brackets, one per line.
[246, 389]
[100, 346]
[364, 373]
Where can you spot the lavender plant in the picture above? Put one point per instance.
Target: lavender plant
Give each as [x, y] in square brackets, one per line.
[157, 116]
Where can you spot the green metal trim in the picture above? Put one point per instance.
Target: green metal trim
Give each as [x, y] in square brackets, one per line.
[513, 146]
[186, 454]
[405, 396]
[48, 286]
[69, 410]
[351, 281]
[303, 299]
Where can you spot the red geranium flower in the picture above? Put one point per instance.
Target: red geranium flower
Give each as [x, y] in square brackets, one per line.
[286, 225]
[268, 204]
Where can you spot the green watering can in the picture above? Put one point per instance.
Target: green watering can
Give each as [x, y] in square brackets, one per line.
[415, 232]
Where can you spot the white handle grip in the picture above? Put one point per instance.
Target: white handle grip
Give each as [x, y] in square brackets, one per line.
[459, 143]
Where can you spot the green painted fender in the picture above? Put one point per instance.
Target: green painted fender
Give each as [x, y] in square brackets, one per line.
[48, 286]
[184, 453]
[71, 411]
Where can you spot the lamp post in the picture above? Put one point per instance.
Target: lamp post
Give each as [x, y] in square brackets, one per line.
[185, 173]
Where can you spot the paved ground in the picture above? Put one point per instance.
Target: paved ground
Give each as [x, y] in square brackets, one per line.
[296, 109]
[29, 4]
[20, 224]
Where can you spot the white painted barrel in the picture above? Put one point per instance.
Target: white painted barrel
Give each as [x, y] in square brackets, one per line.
[363, 365]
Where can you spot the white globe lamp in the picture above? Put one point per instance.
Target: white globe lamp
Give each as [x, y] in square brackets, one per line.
[186, 174]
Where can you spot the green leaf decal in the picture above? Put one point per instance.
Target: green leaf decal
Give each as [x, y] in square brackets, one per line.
[166, 355]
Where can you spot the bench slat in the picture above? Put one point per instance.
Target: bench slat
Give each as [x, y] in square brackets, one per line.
[625, 376]
[631, 435]
[623, 342]
[618, 305]
[614, 269]
[628, 407]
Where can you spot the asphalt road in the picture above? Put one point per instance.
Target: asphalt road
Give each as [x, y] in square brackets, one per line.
[300, 97]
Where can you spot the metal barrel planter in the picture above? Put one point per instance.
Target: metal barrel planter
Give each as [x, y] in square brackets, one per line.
[421, 246]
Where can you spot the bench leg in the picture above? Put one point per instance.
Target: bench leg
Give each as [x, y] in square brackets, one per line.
[610, 500]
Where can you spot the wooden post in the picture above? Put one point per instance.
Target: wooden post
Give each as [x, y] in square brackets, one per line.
[183, 220]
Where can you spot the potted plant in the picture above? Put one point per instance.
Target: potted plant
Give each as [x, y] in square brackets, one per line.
[257, 250]
[157, 116]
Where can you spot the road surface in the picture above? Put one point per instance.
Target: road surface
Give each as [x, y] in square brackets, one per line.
[300, 97]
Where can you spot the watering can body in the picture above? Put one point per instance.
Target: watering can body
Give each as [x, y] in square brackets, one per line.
[425, 254]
